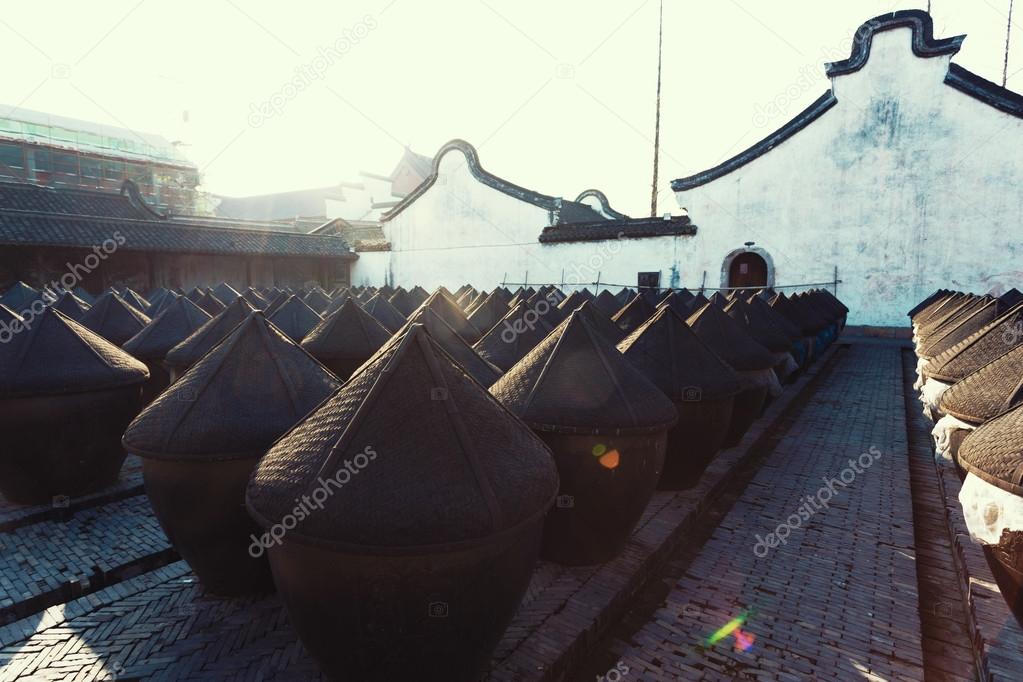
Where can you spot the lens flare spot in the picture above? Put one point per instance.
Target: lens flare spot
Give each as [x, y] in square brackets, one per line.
[744, 640]
[599, 449]
[610, 459]
[726, 629]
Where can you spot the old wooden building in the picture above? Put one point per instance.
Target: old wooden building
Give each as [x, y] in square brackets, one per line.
[111, 238]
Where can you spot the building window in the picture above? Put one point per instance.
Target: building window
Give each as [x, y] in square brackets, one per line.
[42, 160]
[9, 126]
[37, 130]
[91, 139]
[63, 134]
[11, 156]
[649, 280]
[138, 173]
[65, 163]
[92, 168]
[113, 170]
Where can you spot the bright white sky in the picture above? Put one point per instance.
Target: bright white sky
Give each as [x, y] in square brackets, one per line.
[557, 96]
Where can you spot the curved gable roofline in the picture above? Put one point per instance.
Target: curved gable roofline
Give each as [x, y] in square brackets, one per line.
[130, 191]
[802, 120]
[924, 45]
[984, 90]
[473, 162]
[605, 205]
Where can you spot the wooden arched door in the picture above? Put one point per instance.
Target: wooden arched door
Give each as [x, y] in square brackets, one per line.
[748, 270]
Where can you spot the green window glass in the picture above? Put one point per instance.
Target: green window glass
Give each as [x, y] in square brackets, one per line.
[42, 160]
[12, 156]
[113, 170]
[65, 163]
[91, 168]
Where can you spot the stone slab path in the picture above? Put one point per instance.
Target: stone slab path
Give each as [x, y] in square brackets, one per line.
[838, 599]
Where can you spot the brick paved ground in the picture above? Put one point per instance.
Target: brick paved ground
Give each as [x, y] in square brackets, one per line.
[946, 628]
[41, 563]
[161, 626]
[839, 600]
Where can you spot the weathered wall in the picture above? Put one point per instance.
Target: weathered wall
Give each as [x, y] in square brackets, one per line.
[906, 185]
[463, 231]
[372, 268]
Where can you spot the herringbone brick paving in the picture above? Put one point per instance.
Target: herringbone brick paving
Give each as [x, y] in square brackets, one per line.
[839, 599]
[41, 557]
[169, 629]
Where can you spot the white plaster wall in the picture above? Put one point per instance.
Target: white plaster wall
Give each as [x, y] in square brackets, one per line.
[371, 269]
[906, 185]
[462, 231]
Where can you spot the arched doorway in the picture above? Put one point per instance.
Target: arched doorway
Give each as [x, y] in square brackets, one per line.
[748, 270]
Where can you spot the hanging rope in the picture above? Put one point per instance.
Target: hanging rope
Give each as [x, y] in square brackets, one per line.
[1008, 36]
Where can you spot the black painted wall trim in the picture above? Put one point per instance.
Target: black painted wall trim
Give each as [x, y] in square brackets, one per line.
[604, 203]
[803, 119]
[924, 45]
[984, 90]
[552, 204]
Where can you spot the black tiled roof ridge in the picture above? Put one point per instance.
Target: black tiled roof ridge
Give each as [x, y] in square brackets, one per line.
[553, 204]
